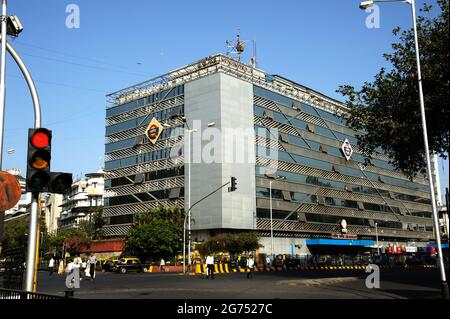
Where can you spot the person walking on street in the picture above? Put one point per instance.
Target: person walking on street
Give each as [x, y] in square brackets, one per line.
[210, 266]
[51, 266]
[61, 267]
[162, 265]
[268, 261]
[76, 266]
[250, 266]
[92, 262]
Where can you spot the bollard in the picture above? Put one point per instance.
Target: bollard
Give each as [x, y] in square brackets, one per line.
[69, 293]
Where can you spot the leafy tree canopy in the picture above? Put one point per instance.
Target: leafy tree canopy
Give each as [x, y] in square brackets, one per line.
[156, 233]
[159, 238]
[234, 243]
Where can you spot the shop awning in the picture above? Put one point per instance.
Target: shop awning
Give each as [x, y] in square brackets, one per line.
[340, 242]
[435, 246]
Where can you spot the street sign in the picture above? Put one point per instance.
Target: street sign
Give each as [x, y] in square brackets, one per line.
[10, 191]
[153, 130]
[347, 149]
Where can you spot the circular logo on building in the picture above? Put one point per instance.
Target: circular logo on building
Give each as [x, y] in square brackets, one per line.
[153, 131]
[347, 149]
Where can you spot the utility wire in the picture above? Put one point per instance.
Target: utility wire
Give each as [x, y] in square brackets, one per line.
[84, 65]
[59, 84]
[72, 55]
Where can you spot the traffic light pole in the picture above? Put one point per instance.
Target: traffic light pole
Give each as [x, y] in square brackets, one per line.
[4, 19]
[188, 214]
[5, 46]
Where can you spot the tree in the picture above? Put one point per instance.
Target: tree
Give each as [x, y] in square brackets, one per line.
[156, 239]
[233, 243]
[386, 112]
[173, 214]
[72, 239]
[156, 233]
[16, 233]
[93, 226]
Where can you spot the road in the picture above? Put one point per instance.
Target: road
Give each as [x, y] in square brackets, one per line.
[331, 284]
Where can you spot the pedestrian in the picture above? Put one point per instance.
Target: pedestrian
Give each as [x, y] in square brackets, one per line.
[73, 274]
[92, 262]
[162, 265]
[76, 266]
[87, 271]
[61, 267]
[250, 266]
[210, 266]
[268, 261]
[51, 265]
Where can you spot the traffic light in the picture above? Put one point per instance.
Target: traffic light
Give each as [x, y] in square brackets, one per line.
[233, 184]
[39, 177]
[59, 182]
[39, 156]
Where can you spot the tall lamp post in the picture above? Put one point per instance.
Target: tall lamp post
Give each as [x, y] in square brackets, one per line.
[188, 216]
[444, 286]
[376, 235]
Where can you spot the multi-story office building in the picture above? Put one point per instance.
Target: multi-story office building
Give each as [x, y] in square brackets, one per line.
[281, 140]
[86, 195]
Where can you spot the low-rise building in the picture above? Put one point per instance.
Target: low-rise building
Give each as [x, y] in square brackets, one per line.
[86, 195]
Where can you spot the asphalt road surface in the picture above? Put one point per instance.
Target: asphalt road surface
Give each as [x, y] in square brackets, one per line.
[335, 284]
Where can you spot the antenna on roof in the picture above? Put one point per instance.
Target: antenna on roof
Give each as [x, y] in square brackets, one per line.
[238, 47]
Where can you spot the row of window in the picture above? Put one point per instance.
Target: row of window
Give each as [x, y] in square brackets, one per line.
[316, 129]
[303, 125]
[287, 102]
[310, 162]
[323, 182]
[166, 94]
[123, 219]
[312, 145]
[145, 120]
[140, 139]
[149, 176]
[140, 158]
[173, 193]
[322, 200]
[329, 219]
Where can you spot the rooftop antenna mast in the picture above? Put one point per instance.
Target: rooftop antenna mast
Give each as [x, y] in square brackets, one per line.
[238, 48]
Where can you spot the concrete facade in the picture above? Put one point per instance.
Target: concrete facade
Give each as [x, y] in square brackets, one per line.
[226, 102]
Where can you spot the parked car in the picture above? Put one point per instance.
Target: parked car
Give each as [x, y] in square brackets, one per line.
[109, 264]
[130, 264]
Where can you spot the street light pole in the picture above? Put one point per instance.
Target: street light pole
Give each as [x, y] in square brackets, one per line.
[188, 215]
[427, 154]
[376, 235]
[189, 199]
[271, 220]
[444, 285]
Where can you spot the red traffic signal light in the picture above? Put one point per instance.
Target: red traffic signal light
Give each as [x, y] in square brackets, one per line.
[41, 138]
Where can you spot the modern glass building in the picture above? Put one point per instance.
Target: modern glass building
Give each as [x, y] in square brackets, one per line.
[281, 140]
